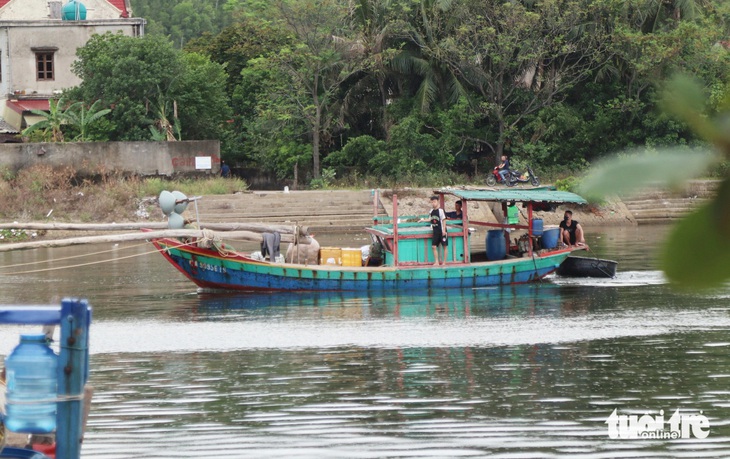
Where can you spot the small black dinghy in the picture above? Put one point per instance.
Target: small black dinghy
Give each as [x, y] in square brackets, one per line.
[587, 267]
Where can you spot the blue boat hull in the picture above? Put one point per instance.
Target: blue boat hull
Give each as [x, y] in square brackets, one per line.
[210, 270]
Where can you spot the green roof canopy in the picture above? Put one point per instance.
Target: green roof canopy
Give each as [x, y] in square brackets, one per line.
[534, 195]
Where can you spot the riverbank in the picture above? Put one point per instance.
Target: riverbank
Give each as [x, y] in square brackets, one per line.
[341, 211]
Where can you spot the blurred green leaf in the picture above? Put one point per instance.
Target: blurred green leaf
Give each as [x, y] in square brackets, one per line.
[625, 175]
[695, 256]
[685, 99]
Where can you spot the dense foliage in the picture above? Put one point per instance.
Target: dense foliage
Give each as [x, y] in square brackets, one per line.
[392, 88]
[155, 92]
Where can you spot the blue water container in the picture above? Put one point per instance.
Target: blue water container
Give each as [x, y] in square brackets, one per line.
[496, 245]
[31, 386]
[537, 227]
[550, 238]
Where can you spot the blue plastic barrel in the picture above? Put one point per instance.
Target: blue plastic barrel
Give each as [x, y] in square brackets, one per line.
[496, 245]
[550, 238]
[31, 386]
[537, 227]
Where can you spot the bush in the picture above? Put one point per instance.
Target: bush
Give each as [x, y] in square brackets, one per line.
[567, 184]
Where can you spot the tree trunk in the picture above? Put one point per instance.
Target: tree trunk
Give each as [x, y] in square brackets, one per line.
[316, 126]
[315, 150]
[499, 150]
[384, 107]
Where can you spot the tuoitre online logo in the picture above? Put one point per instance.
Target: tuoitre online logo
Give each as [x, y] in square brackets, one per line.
[624, 426]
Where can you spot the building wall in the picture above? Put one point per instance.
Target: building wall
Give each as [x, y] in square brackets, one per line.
[19, 41]
[142, 158]
[41, 10]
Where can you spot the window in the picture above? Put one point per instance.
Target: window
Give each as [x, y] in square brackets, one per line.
[44, 66]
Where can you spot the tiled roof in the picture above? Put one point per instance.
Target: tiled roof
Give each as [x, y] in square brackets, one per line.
[5, 128]
[27, 105]
[121, 5]
[118, 4]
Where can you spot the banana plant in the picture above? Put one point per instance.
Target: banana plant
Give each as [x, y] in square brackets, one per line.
[81, 117]
[53, 120]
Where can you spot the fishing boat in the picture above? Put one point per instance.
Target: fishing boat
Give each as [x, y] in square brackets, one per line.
[587, 267]
[406, 261]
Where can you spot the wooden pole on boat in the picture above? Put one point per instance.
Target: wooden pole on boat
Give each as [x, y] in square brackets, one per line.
[506, 229]
[465, 230]
[529, 225]
[395, 230]
[141, 236]
[132, 226]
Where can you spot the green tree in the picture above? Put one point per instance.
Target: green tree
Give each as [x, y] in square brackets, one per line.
[190, 20]
[310, 73]
[521, 57]
[131, 74]
[200, 93]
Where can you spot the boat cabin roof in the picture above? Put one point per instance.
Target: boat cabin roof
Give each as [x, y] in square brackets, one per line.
[534, 195]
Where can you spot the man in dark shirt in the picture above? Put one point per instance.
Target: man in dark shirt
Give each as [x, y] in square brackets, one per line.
[225, 170]
[455, 215]
[571, 233]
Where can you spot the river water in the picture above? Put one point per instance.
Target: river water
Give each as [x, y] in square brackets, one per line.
[524, 371]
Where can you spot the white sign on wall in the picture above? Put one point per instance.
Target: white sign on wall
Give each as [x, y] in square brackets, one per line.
[203, 162]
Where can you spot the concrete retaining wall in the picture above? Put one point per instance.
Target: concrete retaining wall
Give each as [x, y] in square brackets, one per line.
[191, 157]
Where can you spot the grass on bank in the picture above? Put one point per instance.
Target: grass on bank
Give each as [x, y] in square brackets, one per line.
[43, 193]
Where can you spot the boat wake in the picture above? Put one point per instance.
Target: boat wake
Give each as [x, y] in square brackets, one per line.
[622, 279]
[289, 334]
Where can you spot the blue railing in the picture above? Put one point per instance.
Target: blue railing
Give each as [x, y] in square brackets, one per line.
[74, 317]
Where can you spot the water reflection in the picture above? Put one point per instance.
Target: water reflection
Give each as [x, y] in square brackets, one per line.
[542, 299]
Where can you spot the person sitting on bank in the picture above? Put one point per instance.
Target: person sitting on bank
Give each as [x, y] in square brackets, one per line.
[504, 168]
[437, 218]
[456, 214]
[571, 233]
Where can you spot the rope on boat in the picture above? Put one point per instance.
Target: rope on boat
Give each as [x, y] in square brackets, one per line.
[211, 239]
[597, 264]
[73, 256]
[534, 262]
[94, 262]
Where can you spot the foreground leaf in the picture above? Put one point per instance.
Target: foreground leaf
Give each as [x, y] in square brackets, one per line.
[685, 99]
[696, 254]
[625, 175]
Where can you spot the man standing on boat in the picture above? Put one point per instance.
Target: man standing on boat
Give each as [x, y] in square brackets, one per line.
[571, 233]
[438, 225]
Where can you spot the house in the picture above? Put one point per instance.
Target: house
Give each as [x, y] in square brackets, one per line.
[38, 43]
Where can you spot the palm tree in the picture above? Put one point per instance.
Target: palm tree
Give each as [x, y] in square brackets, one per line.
[424, 57]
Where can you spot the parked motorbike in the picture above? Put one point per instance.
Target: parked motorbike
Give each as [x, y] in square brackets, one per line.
[513, 177]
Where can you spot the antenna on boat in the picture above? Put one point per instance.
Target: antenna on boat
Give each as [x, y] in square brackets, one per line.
[173, 204]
